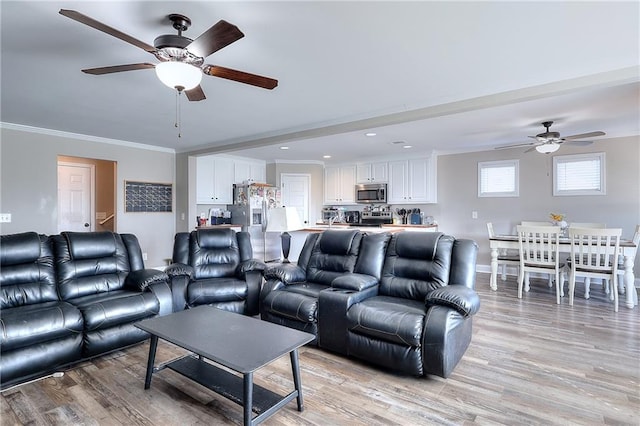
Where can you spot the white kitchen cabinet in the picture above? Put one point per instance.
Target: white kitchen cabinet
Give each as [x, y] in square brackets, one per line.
[214, 180]
[372, 172]
[249, 171]
[339, 184]
[412, 181]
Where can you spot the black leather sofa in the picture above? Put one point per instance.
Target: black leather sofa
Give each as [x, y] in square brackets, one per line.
[215, 267]
[70, 297]
[404, 302]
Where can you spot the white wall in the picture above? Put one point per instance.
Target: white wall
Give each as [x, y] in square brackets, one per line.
[28, 186]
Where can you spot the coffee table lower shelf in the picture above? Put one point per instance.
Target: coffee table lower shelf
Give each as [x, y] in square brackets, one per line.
[264, 402]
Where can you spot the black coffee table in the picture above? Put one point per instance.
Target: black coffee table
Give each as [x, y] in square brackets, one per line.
[240, 343]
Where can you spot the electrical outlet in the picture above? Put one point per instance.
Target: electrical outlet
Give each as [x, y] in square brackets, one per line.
[5, 217]
[474, 214]
[144, 256]
[181, 216]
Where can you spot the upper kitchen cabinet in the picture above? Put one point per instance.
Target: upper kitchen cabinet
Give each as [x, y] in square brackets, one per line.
[214, 180]
[372, 172]
[412, 181]
[249, 171]
[339, 184]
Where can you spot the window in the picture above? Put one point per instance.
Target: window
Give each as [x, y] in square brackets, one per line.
[498, 178]
[579, 174]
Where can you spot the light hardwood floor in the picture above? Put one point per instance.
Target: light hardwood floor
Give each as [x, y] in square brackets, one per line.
[530, 362]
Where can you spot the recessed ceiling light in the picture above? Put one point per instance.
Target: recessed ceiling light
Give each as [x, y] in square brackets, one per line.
[326, 156]
[284, 147]
[370, 134]
[407, 146]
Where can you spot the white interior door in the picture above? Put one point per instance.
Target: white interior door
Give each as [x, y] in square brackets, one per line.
[75, 197]
[295, 193]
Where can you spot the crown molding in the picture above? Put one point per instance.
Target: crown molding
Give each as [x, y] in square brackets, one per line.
[78, 136]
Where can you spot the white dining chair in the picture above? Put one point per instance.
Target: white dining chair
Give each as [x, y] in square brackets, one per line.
[596, 225]
[505, 258]
[594, 254]
[534, 223]
[621, 287]
[539, 248]
[587, 281]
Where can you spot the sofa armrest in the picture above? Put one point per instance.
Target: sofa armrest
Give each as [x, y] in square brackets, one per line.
[285, 272]
[354, 282]
[141, 279]
[179, 269]
[463, 299]
[250, 266]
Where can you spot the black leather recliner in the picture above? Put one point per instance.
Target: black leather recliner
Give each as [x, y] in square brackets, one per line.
[70, 297]
[103, 275]
[420, 321]
[330, 261]
[215, 267]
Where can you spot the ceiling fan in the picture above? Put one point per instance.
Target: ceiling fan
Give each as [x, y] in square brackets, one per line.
[181, 59]
[548, 141]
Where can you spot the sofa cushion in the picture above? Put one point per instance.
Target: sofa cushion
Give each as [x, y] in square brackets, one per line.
[105, 310]
[90, 263]
[214, 253]
[389, 319]
[205, 291]
[334, 253]
[412, 269]
[297, 301]
[31, 325]
[27, 272]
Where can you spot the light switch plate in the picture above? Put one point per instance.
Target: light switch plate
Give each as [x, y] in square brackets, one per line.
[474, 214]
[5, 217]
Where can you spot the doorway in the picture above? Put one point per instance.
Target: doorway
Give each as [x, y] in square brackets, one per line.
[86, 194]
[295, 193]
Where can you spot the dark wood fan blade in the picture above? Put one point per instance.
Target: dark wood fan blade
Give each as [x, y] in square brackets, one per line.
[118, 68]
[215, 38]
[584, 135]
[533, 148]
[84, 19]
[195, 94]
[240, 76]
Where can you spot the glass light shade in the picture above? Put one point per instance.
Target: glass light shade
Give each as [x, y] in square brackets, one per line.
[547, 148]
[178, 74]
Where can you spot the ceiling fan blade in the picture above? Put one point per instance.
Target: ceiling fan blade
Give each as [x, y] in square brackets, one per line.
[195, 94]
[584, 135]
[215, 38]
[240, 76]
[84, 19]
[533, 148]
[118, 68]
[517, 145]
[579, 143]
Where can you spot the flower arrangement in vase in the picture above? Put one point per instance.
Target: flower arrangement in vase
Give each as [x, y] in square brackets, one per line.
[558, 220]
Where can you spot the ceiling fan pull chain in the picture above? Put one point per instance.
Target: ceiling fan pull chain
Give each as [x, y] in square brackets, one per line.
[177, 123]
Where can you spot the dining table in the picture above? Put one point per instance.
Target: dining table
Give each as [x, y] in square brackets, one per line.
[627, 249]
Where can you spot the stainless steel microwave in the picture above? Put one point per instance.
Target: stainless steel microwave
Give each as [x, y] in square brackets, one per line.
[371, 193]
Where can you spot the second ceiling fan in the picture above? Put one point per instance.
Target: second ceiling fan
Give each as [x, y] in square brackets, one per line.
[181, 59]
[548, 141]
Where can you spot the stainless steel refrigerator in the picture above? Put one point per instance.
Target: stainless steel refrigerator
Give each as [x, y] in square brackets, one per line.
[250, 210]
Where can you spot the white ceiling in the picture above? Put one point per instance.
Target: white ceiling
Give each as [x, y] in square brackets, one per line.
[444, 76]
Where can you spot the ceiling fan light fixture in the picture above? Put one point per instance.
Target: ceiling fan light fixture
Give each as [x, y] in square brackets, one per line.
[175, 74]
[547, 148]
